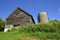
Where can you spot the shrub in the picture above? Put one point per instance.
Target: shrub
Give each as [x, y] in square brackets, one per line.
[41, 27]
[13, 29]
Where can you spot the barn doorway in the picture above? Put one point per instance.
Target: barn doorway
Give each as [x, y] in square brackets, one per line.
[16, 25]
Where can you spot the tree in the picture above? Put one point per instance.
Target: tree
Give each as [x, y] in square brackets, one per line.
[2, 24]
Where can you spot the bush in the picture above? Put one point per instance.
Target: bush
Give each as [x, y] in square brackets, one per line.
[41, 27]
[13, 29]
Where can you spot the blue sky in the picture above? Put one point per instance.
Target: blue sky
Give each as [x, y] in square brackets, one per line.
[33, 7]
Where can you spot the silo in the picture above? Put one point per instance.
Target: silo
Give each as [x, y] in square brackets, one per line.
[42, 17]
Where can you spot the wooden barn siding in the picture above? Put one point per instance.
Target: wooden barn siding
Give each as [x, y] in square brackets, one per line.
[22, 20]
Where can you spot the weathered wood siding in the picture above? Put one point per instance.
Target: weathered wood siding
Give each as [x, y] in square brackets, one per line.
[19, 18]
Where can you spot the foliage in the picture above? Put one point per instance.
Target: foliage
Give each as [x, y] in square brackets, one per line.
[13, 29]
[44, 35]
[16, 35]
[2, 24]
[52, 27]
[42, 31]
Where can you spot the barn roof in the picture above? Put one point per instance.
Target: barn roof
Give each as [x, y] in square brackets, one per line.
[22, 11]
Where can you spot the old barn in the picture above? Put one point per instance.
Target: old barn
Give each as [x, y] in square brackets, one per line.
[19, 17]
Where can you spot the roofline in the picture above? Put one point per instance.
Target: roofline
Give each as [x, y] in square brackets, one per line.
[27, 13]
[33, 19]
[24, 12]
[21, 10]
[10, 14]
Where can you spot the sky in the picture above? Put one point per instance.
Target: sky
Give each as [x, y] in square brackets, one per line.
[33, 7]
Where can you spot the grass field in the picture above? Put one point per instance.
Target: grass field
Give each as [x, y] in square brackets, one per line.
[16, 36]
[28, 36]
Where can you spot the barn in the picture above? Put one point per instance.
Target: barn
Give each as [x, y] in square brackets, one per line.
[19, 17]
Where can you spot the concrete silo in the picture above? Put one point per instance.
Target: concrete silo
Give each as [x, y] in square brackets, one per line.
[42, 17]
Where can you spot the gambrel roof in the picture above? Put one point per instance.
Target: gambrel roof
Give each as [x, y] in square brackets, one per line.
[22, 11]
